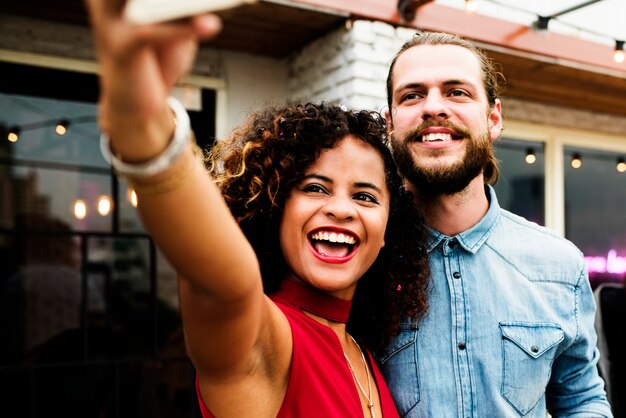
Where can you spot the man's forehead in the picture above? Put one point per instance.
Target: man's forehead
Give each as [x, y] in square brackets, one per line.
[441, 62]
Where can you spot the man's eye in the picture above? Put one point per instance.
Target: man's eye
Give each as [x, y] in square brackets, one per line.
[410, 96]
[458, 93]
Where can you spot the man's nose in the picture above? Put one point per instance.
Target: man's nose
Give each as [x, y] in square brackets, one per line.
[434, 106]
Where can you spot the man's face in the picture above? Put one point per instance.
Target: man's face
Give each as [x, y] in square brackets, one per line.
[443, 126]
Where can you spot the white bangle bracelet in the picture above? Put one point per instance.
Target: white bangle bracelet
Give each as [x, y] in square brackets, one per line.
[162, 161]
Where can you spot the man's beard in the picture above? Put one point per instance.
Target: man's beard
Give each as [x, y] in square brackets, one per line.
[443, 179]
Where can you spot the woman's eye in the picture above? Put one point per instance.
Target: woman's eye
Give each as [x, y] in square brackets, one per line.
[366, 197]
[313, 188]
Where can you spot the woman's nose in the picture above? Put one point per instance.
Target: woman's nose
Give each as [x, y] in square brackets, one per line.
[340, 207]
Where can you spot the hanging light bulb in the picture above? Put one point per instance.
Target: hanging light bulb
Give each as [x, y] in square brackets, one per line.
[542, 23]
[132, 197]
[80, 209]
[618, 55]
[104, 205]
[471, 6]
[407, 9]
[14, 134]
[61, 127]
[530, 156]
[621, 165]
[577, 161]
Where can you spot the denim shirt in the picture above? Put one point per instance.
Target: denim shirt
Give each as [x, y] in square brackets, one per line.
[509, 331]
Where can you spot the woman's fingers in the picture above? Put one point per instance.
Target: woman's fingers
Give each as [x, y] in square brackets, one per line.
[141, 63]
[200, 27]
[102, 9]
[107, 15]
[207, 26]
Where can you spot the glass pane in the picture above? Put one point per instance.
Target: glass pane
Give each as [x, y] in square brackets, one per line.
[37, 117]
[595, 200]
[164, 389]
[41, 292]
[78, 199]
[76, 333]
[74, 390]
[143, 320]
[121, 266]
[520, 188]
[129, 216]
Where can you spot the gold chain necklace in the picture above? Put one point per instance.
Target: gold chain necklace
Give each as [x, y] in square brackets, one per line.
[370, 404]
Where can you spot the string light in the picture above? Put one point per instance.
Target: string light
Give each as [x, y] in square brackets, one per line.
[104, 205]
[131, 195]
[530, 156]
[577, 161]
[14, 134]
[542, 22]
[618, 56]
[407, 9]
[80, 209]
[471, 6]
[61, 127]
[621, 165]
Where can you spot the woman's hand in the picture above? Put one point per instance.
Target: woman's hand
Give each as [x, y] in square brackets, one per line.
[139, 65]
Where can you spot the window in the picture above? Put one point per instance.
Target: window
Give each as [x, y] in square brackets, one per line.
[520, 188]
[595, 200]
[89, 320]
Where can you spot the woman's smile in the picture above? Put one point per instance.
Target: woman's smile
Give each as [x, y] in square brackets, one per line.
[333, 245]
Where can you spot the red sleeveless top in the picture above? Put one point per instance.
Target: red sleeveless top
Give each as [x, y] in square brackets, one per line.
[320, 382]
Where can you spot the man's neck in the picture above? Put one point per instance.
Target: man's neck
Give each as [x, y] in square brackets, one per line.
[453, 214]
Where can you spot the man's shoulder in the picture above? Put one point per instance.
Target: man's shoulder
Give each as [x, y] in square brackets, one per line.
[535, 250]
[524, 229]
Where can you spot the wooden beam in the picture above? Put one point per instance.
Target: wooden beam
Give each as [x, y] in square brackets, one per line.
[484, 29]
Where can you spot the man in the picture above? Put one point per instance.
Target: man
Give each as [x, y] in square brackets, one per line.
[509, 330]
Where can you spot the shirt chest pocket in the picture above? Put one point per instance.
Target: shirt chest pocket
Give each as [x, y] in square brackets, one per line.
[528, 351]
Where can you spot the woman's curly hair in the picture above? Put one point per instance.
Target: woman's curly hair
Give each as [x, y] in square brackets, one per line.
[260, 163]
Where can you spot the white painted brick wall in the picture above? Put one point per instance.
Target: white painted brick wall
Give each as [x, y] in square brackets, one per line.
[348, 66]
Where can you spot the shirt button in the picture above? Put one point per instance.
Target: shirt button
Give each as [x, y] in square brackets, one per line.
[456, 275]
[461, 346]
[452, 244]
[534, 349]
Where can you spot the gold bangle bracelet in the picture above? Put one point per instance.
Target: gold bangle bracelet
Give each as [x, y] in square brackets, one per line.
[179, 176]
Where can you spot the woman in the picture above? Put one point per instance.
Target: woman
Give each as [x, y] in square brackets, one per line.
[305, 214]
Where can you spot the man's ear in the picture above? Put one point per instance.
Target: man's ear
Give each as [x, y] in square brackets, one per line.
[388, 120]
[495, 120]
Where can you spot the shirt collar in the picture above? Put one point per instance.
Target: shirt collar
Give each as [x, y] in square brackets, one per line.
[475, 237]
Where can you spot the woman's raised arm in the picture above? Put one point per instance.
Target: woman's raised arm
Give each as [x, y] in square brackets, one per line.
[221, 293]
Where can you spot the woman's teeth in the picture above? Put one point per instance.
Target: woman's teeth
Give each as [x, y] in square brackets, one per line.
[335, 237]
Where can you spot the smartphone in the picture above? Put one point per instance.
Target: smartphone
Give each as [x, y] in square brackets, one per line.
[143, 12]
